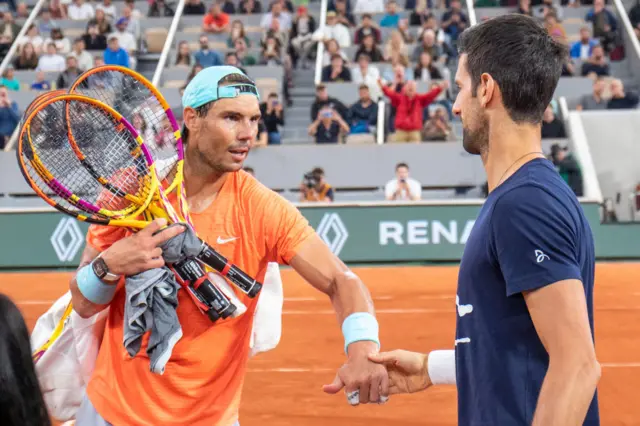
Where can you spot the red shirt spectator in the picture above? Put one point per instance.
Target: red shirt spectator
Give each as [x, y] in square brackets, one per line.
[216, 21]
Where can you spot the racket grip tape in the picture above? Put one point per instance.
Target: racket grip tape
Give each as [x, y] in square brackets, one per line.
[239, 278]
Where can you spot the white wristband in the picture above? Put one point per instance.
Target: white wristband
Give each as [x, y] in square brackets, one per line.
[442, 367]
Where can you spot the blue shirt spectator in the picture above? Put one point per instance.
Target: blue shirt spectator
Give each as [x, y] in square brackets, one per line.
[205, 56]
[115, 55]
[392, 17]
[40, 83]
[582, 48]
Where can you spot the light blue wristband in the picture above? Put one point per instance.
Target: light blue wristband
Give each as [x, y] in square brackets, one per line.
[92, 287]
[360, 326]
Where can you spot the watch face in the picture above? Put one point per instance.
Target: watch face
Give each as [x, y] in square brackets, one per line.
[100, 268]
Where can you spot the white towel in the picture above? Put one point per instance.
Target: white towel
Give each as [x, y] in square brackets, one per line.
[267, 319]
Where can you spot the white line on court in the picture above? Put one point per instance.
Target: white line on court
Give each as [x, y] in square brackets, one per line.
[327, 370]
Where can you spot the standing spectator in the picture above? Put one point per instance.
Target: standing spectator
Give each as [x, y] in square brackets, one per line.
[437, 127]
[46, 22]
[409, 109]
[369, 48]
[272, 117]
[594, 101]
[333, 30]
[41, 83]
[9, 116]
[582, 48]
[314, 187]
[597, 63]
[159, 8]
[51, 61]
[323, 99]
[363, 115]
[216, 21]
[93, 40]
[183, 57]
[102, 22]
[9, 79]
[84, 58]
[8, 27]
[80, 11]
[250, 7]
[283, 17]
[327, 126]
[62, 43]
[568, 168]
[336, 72]
[552, 127]
[194, 7]
[367, 27]
[621, 99]
[108, 8]
[243, 54]
[27, 59]
[604, 23]
[302, 31]
[114, 54]
[205, 56]
[454, 21]
[392, 17]
[126, 40]
[69, 75]
[403, 187]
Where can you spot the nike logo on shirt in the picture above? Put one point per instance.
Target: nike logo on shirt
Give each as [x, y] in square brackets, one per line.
[226, 240]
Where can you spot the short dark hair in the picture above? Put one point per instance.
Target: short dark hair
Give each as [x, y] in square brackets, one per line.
[405, 165]
[522, 58]
[317, 171]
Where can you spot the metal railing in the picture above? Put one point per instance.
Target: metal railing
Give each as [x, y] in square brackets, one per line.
[320, 52]
[380, 127]
[471, 12]
[157, 75]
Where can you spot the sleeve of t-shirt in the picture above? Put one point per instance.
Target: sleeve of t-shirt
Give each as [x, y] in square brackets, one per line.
[102, 237]
[534, 239]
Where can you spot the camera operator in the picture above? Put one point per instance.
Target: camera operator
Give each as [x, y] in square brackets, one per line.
[315, 188]
[403, 188]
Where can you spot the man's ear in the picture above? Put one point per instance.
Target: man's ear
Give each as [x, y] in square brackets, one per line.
[486, 89]
[189, 117]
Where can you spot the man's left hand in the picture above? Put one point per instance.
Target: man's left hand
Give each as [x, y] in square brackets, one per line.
[362, 380]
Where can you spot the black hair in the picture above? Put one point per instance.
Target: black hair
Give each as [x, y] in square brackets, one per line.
[405, 165]
[21, 400]
[524, 60]
[318, 171]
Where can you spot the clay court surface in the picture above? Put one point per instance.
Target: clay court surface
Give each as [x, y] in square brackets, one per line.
[416, 310]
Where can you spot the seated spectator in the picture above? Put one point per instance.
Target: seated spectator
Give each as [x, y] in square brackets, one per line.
[428, 44]
[367, 27]
[621, 99]
[409, 109]
[323, 99]
[333, 30]
[108, 8]
[395, 46]
[604, 23]
[403, 187]
[250, 7]
[57, 9]
[126, 40]
[272, 116]
[78, 10]
[314, 187]
[84, 58]
[46, 23]
[9, 116]
[231, 59]
[93, 40]
[398, 70]
[552, 127]
[133, 23]
[302, 29]
[420, 14]
[62, 43]
[363, 115]
[183, 57]
[337, 72]
[277, 13]
[206, 57]
[286, 5]
[9, 79]
[41, 83]
[582, 48]
[555, 28]
[69, 75]
[327, 126]
[426, 70]
[391, 17]
[369, 6]
[369, 48]
[271, 53]
[365, 73]
[343, 15]
[216, 21]
[237, 32]
[114, 54]
[243, 54]
[596, 100]
[194, 7]
[51, 61]
[27, 59]
[22, 11]
[102, 22]
[331, 48]
[568, 168]
[405, 31]
[597, 63]
[437, 127]
[9, 27]
[276, 32]
[159, 8]
[228, 7]
[524, 7]
[454, 21]
[32, 37]
[439, 36]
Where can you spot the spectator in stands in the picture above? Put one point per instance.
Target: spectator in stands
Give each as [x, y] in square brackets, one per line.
[183, 57]
[363, 114]
[315, 188]
[51, 61]
[9, 116]
[621, 99]
[133, 23]
[398, 71]
[32, 37]
[409, 109]
[555, 28]
[46, 22]
[102, 22]
[243, 54]
[343, 16]
[596, 100]
[420, 14]
[365, 73]
[333, 30]
[9, 79]
[126, 40]
[331, 48]
[582, 48]
[367, 27]
[228, 7]
[327, 126]
[159, 8]
[437, 127]
[426, 70]
[428, 44]
[548, 7]
[277, 13]
[194, 7]
[454, 21]
[8, 27]
[205, 56]
[391, 18]
[272, 117]
[108, 8]
[369, 48]
[69, 75]
[369, 6]
[231, 59]
[237, 32]
[323, 99]
[405, 31]
[524, 7]
[337, 72]
[78, 10]
[27, 59]
[5, 46]
[216, 21]
[552, 126]
[395, 46]
[41, 83]
[84, 58]
[568, 168]
[195, 70]
[403, 187]
[63, 45]
[597, 63]
[604, 23]
[93, 40]
[634, 17]
[302, 29]
[22, 11]
[261, 138]
[57, 9]
[271, 53]
[114, 54]
[135, 13]
[250, 7]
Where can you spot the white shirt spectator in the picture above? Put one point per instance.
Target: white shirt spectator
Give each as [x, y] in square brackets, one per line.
[37, 42]
[338, 32]
[414, 187]
[126, 40]
[284, 19]
[370, 79]
[81, 13]
[63, 46]
[51, 63]
[369, 6]
[85, 59]
[110, 10]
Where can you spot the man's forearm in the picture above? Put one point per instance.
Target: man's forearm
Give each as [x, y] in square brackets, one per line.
[566, 394]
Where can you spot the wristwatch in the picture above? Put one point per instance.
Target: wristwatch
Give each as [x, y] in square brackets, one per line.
[102, 271]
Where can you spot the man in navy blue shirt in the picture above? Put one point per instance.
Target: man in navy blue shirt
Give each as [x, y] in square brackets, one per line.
[524, 348]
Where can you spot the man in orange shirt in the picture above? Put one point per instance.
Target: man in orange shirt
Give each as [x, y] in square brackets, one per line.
[251, 226]
[216, 21]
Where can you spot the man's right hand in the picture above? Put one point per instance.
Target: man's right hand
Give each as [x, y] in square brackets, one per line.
[140, 252]
[408, 371]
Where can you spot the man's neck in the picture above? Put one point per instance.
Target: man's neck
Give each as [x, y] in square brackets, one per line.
[510, 147]
[201, 184]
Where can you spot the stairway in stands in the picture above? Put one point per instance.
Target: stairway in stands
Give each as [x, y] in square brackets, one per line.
[297, 117]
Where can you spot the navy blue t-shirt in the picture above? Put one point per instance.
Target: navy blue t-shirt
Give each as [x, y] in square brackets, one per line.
[530, 232]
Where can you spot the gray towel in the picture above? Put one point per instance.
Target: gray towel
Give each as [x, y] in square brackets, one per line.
[186, 244]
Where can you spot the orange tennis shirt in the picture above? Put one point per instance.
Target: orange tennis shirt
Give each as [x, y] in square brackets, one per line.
[203, 379]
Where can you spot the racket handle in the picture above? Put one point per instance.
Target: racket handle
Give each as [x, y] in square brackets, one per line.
[190, 270]
[215, 260]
